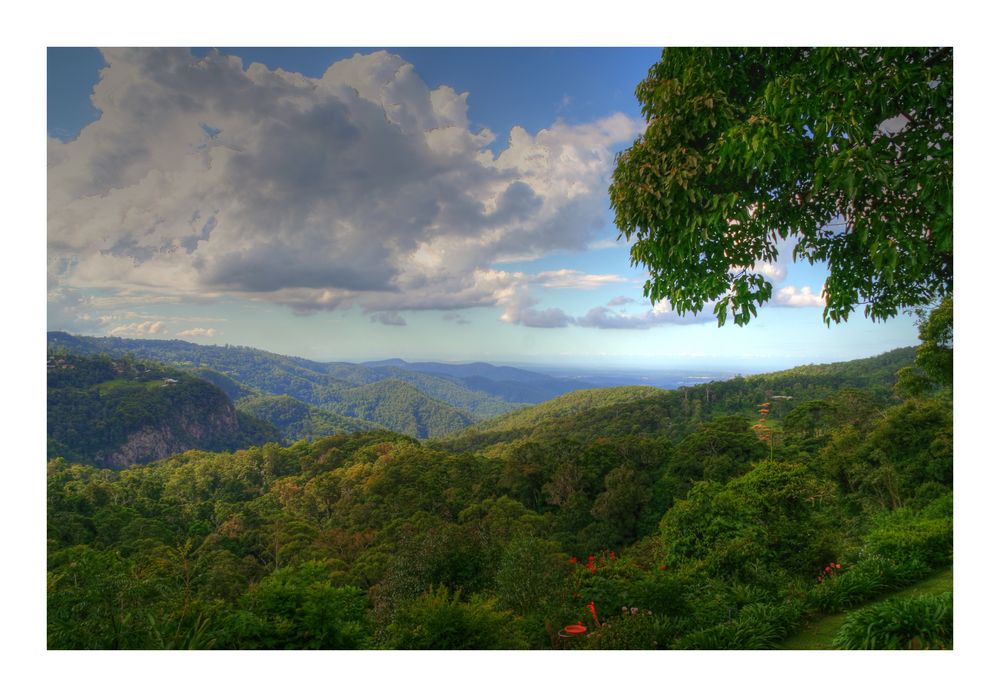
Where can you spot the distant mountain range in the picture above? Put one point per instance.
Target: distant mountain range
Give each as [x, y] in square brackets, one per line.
[306, 398]
[115, 402]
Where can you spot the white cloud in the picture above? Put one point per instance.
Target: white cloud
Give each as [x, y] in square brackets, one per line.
[619, 300]
[790, 296]
[776, 271]
[660, 314]
[206, 332]
[139, 329]
[519, 309]
[609, 243]
[363, 186]
[569, 278]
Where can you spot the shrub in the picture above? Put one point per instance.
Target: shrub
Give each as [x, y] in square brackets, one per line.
[299, 607]
[633, 629]
[904, 535]
[757, 626]
[922, 622]
[440, 620]
[532, 574]
[863, 581]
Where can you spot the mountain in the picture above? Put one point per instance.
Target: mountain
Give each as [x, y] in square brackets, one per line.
[481, 403]
[267, 372]
[242, 371]
[651, 412]
[402, 408]
[297, 420]
[510, 384]
[117, 412]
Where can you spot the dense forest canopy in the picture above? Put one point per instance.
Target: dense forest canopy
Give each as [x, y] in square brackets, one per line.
[692, 518]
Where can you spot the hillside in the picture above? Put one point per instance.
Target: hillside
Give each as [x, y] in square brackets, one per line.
[297, 420]
[119, 412]
[567, 405]
[242, 371]
[400, 407]
[510, 384]
[647, 411]
[667, 502]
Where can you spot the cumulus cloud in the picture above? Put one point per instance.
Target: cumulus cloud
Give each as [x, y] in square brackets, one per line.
[619, 300]
[660, 314]
[139, 329]
[570, 278]
[363, 186]
[519, 309]
[790, 296]
[206, 332]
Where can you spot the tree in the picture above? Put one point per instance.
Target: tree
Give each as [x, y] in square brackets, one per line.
[848, 152]
[932, 366]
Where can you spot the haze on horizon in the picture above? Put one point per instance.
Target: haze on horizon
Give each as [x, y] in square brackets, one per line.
[364, 204]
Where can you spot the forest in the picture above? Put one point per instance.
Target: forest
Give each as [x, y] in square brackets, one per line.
[722, 516]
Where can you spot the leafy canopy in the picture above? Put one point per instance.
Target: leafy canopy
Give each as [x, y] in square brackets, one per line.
[846, 151]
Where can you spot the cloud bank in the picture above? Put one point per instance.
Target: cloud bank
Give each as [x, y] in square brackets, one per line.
[363, 187]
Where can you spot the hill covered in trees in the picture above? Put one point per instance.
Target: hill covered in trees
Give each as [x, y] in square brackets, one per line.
[430, 399]
[297, 420]
[655, 519]
[648, 411]
[118, 412]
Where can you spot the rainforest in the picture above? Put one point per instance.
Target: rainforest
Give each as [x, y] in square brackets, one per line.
[741, 514]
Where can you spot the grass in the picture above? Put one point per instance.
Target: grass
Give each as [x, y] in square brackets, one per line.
[819, 633]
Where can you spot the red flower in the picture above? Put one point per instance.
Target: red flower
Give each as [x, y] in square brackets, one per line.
[572, 560]
[590, 606]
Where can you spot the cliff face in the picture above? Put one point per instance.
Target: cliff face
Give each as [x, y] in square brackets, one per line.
[115, 413]
[198, 428]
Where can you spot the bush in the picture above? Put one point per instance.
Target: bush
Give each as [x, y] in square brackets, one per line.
[299, 607]
[757, 626]
[923, 622]
[439, 620]
[633, 629]
[533, 573]
[863, 581]
[904, 535]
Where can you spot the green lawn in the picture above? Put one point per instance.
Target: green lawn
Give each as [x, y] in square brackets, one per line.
[819, 633]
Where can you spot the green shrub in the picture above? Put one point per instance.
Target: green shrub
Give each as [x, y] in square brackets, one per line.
[923, 622]
[299, 607]
[904, 535]
[440, 620]
[757, 626]
[632, 629]
[863, 581]
[533, 573]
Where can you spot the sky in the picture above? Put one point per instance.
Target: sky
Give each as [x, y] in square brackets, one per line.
[366, 203]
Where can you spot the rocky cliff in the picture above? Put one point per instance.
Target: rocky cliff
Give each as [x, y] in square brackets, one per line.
[119, 412]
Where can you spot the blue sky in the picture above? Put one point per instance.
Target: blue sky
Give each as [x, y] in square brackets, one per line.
[353, 204]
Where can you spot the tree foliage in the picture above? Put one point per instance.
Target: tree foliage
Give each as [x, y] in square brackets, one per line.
[680, 535]
[846, 151]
